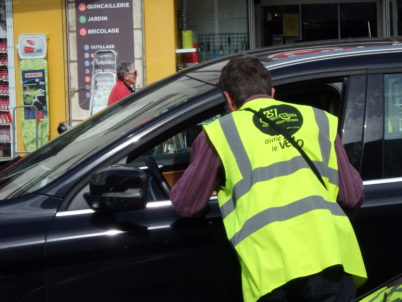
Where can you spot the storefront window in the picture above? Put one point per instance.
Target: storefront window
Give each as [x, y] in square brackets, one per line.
[358, 20]
[281, 24]
[310, 22]
[5, 99]
[319, 22]
[214, 27]
[398, 11]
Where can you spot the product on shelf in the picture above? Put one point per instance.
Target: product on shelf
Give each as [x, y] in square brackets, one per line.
[5, 114]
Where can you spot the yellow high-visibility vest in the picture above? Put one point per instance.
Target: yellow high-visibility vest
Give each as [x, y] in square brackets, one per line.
[392, 293]
[283, 223]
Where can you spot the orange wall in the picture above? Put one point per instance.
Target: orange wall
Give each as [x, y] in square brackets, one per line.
[160, 39]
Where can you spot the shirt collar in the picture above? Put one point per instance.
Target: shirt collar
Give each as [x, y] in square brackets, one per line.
[129, 87]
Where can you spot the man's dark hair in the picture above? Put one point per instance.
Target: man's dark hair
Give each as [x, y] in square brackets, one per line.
[243, 77]
[124, 68]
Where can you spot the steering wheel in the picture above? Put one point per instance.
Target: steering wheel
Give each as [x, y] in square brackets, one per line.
[156, 173]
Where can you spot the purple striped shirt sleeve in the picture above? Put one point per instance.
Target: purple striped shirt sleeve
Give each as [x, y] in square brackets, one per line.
[190, 195]
[350, 183]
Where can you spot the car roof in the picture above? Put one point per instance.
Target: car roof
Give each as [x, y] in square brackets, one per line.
[297, 53]
[320, 51]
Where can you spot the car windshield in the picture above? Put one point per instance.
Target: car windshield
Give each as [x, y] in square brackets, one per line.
[66, 151]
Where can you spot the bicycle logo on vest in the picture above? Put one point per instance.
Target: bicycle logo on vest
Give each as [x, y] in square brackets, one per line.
[287, 117]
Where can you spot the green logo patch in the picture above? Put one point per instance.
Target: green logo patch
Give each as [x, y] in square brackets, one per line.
[285, 116]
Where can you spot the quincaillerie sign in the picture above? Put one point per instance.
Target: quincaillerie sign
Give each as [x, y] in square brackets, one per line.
[101, 25]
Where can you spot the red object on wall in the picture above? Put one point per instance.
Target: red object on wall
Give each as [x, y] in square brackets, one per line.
[28, 49]
[191, 57]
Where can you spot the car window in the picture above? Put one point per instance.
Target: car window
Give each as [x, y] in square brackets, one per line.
[392, 125]
[172, 153]
[171, 156]
[325, 94]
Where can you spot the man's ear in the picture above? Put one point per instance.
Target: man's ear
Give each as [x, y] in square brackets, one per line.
[230, 102]
[273, 92]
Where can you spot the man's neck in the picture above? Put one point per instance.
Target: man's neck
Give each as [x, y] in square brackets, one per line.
[258, 96]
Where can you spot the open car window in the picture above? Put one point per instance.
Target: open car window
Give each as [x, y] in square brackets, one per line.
[171, 157]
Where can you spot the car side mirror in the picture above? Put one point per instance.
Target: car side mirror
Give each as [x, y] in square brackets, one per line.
[117, 189]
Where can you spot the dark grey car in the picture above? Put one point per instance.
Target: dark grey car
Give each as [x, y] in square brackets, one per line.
[57, 245]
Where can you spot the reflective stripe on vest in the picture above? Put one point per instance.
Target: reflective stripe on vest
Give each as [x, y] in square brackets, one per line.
[289, 211]
[277, 169]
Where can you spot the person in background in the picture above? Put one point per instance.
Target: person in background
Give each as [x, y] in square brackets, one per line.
[126, 78]
[293, 240]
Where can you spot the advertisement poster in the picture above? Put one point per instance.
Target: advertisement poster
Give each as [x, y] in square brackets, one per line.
[34, 91]
[101, 25]
[291, 25]
[34, 88]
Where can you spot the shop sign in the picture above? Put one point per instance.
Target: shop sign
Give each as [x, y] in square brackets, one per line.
[101, 25]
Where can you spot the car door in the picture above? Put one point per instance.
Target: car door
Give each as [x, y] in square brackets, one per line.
[23, 226]
[370, 124]
[378, 222]
[145, 255]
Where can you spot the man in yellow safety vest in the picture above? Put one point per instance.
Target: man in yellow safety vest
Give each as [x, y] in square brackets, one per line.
[277, 193]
